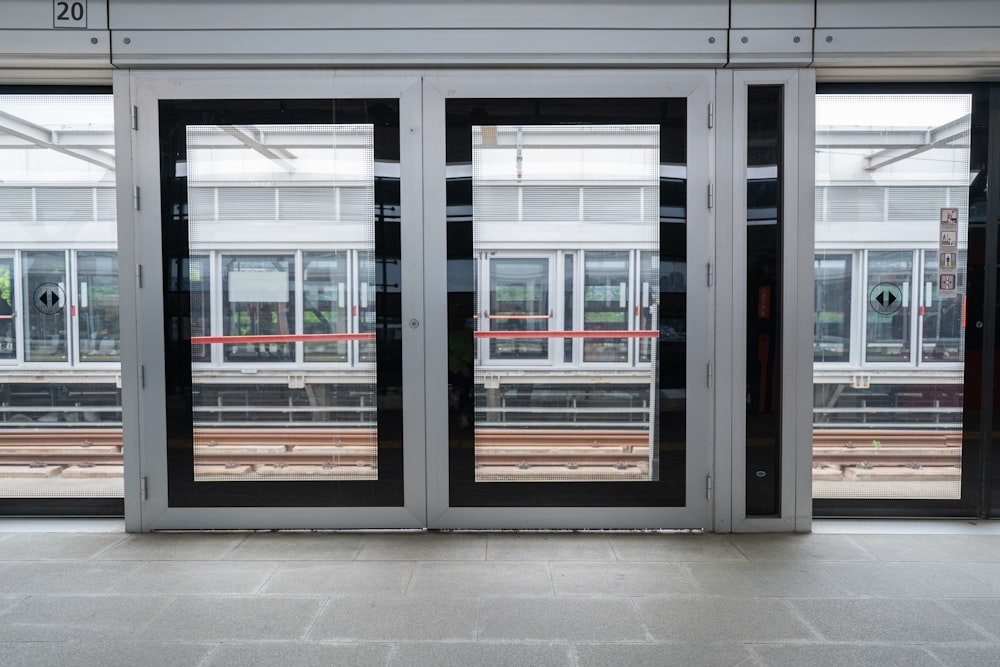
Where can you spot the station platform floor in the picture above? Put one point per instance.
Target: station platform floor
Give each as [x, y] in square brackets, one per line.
[913, 593]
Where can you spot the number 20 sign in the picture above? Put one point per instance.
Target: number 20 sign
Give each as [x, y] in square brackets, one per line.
[67, 14]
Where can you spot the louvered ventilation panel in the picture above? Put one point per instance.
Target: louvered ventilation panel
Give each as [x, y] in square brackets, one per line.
[319, 203]
[916, 203]
[64, 204]
[15, 204]
[246, 204]
[855, 204]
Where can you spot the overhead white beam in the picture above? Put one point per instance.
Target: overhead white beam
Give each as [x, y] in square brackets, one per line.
[46, 138]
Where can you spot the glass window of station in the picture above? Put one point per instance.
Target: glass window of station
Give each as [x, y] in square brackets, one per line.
[60, 397]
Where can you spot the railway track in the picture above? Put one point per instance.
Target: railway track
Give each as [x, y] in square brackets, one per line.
[323, 449]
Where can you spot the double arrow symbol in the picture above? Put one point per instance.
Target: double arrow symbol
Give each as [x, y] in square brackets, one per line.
[881, 298]
[48, 297]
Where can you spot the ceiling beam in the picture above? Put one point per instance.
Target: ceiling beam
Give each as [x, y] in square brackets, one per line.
[43, 137]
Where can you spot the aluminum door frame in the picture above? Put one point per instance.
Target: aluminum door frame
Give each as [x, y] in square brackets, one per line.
[698, 87]
[137, 94]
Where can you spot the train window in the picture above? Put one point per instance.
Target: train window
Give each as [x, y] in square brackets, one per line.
[258, 297]
[606, 304]
[832, 337]
[568, 292]
[325, 307]
[8, 345]
[892, 177]
[97, 306]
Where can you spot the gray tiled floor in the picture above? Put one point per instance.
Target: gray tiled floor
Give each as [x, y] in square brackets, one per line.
[834, 597]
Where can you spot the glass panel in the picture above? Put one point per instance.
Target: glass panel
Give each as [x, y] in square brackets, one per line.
[287, 424]
[832, 317]
[519, 302]
[894, 171]
[97, 299]
[60, 405]
[8, 346]
[890, 281]
[605, 304]
[765, 127]
[45, 320]
[562, 427]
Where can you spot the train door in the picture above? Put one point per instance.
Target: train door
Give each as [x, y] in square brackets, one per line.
[279, 304]
[517, 302]
[572, 357]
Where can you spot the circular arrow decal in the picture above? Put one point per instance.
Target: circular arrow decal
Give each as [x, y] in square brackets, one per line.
[49, 298]
[885, 298]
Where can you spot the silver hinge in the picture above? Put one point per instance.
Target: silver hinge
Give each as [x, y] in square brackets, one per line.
[711, 195]
[135, 198]
[708, 488]
[710, 272]
[711, 115]
[135, 118]
[138, 276]
[142, 377]
[709, 375]
[144, 488]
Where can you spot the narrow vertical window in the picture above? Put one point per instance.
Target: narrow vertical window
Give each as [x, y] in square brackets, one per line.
[763, 353]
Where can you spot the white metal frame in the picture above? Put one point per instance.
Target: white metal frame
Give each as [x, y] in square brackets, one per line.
[146, 500]
[699, 90]
[797, 295]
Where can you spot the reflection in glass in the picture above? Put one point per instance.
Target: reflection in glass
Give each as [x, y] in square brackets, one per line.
[284, 386]
[887, 411]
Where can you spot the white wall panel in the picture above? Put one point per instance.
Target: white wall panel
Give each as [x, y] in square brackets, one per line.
[405, 14]
[29, 40]
[54, 48]
[772, 14]
[751, 48]
[908, 47]
[908, 14]
[418, 47]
